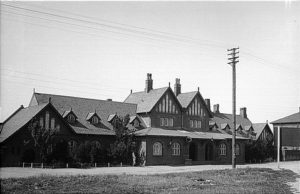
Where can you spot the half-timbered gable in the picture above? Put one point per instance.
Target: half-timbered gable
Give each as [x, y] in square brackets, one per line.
[196, 114]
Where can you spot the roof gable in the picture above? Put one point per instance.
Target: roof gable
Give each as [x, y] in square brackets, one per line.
[19, 119]
[221, 118]
[186, 99]
[147, 101]
[259, 128]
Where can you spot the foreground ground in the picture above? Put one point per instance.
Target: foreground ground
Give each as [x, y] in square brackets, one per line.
[243, 180]
[194, 178]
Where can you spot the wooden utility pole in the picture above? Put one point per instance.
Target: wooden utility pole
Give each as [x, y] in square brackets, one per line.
[278, 147]
[232, 61]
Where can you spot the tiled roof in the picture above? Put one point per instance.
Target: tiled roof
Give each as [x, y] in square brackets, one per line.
[19, 119]
[294, 118]
[258, 128]
[221, 118]
[151, 131]
[83, 106]
[146, 101]
[186, 98]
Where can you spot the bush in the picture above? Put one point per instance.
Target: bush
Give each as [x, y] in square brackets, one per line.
[259, 151]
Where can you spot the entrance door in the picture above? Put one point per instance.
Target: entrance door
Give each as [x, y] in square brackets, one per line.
[193, 151]
[209, 151]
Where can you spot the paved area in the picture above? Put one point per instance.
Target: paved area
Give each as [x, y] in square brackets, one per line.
[26, 172]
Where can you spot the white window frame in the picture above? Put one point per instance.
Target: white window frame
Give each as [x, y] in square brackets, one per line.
[162, 122]
[171, 122]
[199, 124]
[191, 124]
[52, 123]
[176, 149]
[195, 123]
[222, 149]
[166, 121]
[157, 149]
[95, 120]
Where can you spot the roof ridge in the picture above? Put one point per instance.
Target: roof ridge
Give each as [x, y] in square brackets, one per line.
[85, 98]
[150, 90]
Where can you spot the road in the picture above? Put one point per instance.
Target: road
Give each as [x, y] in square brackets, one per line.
[11, 172]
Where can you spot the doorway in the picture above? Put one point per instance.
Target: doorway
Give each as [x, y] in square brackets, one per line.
[193, 151]
[209, 152]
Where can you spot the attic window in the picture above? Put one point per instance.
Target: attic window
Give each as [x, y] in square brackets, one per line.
[95, 120]
[136, 123]
[71, 118]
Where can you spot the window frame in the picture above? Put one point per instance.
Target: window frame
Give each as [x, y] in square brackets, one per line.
[157, 149]
[223, 149]
[176, 149]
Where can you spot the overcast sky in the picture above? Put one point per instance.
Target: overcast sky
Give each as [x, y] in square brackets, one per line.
[103, 49]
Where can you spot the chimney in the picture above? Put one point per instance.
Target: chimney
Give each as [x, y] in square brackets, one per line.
[109, 99]
[216, 108]
[149, 83]
[207, 102]
[177, 87]
[243, 112]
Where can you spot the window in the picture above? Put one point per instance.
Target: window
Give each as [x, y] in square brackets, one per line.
[191, 123]
[71, 118]
[136, 123]
[162, 121]
[237, 149]
[47, 120]
[199, 124]
[52, 123]
[166, 122]
[176, 149]
[72, 146]
[96, 144]
[223, 149]
[58, 127]
[95, 120]
[196, 124]
[157, 149]
[42, 122]
[171, 122]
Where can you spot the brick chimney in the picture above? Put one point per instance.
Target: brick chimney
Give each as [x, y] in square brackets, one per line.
[177, 87]
[149, 83]
[243, 112]
[207, 102]
[216, 108]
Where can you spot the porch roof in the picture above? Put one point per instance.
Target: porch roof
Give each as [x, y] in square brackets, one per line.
[152, 131]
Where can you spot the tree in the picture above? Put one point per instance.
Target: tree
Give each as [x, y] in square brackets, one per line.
[121, 149]
[42, 138]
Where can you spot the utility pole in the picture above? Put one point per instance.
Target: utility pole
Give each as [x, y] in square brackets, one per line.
[232, 61]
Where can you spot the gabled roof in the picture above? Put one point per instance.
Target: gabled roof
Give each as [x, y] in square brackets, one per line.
[259, 127]
[66, 113]
[221, 118]
[91, 114]
[111, 117]
[294, 118]
[146, 101]
[132, 118]
[19, 119]
[83, 106]
[185, 100]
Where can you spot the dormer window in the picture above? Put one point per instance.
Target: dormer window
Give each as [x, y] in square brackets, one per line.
[136, 123]
[71, 118]
[95, 120]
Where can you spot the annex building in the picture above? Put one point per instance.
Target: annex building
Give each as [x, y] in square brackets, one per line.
[171, 127]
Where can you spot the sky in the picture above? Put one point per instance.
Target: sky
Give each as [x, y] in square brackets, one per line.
[103, 50]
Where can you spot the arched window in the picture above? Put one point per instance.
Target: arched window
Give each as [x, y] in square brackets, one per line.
[223, 149]
[237, 149]
[157, 149]
[95, 120]
[96, 144]
[72, 146]
[71, 118]
[176, 149]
